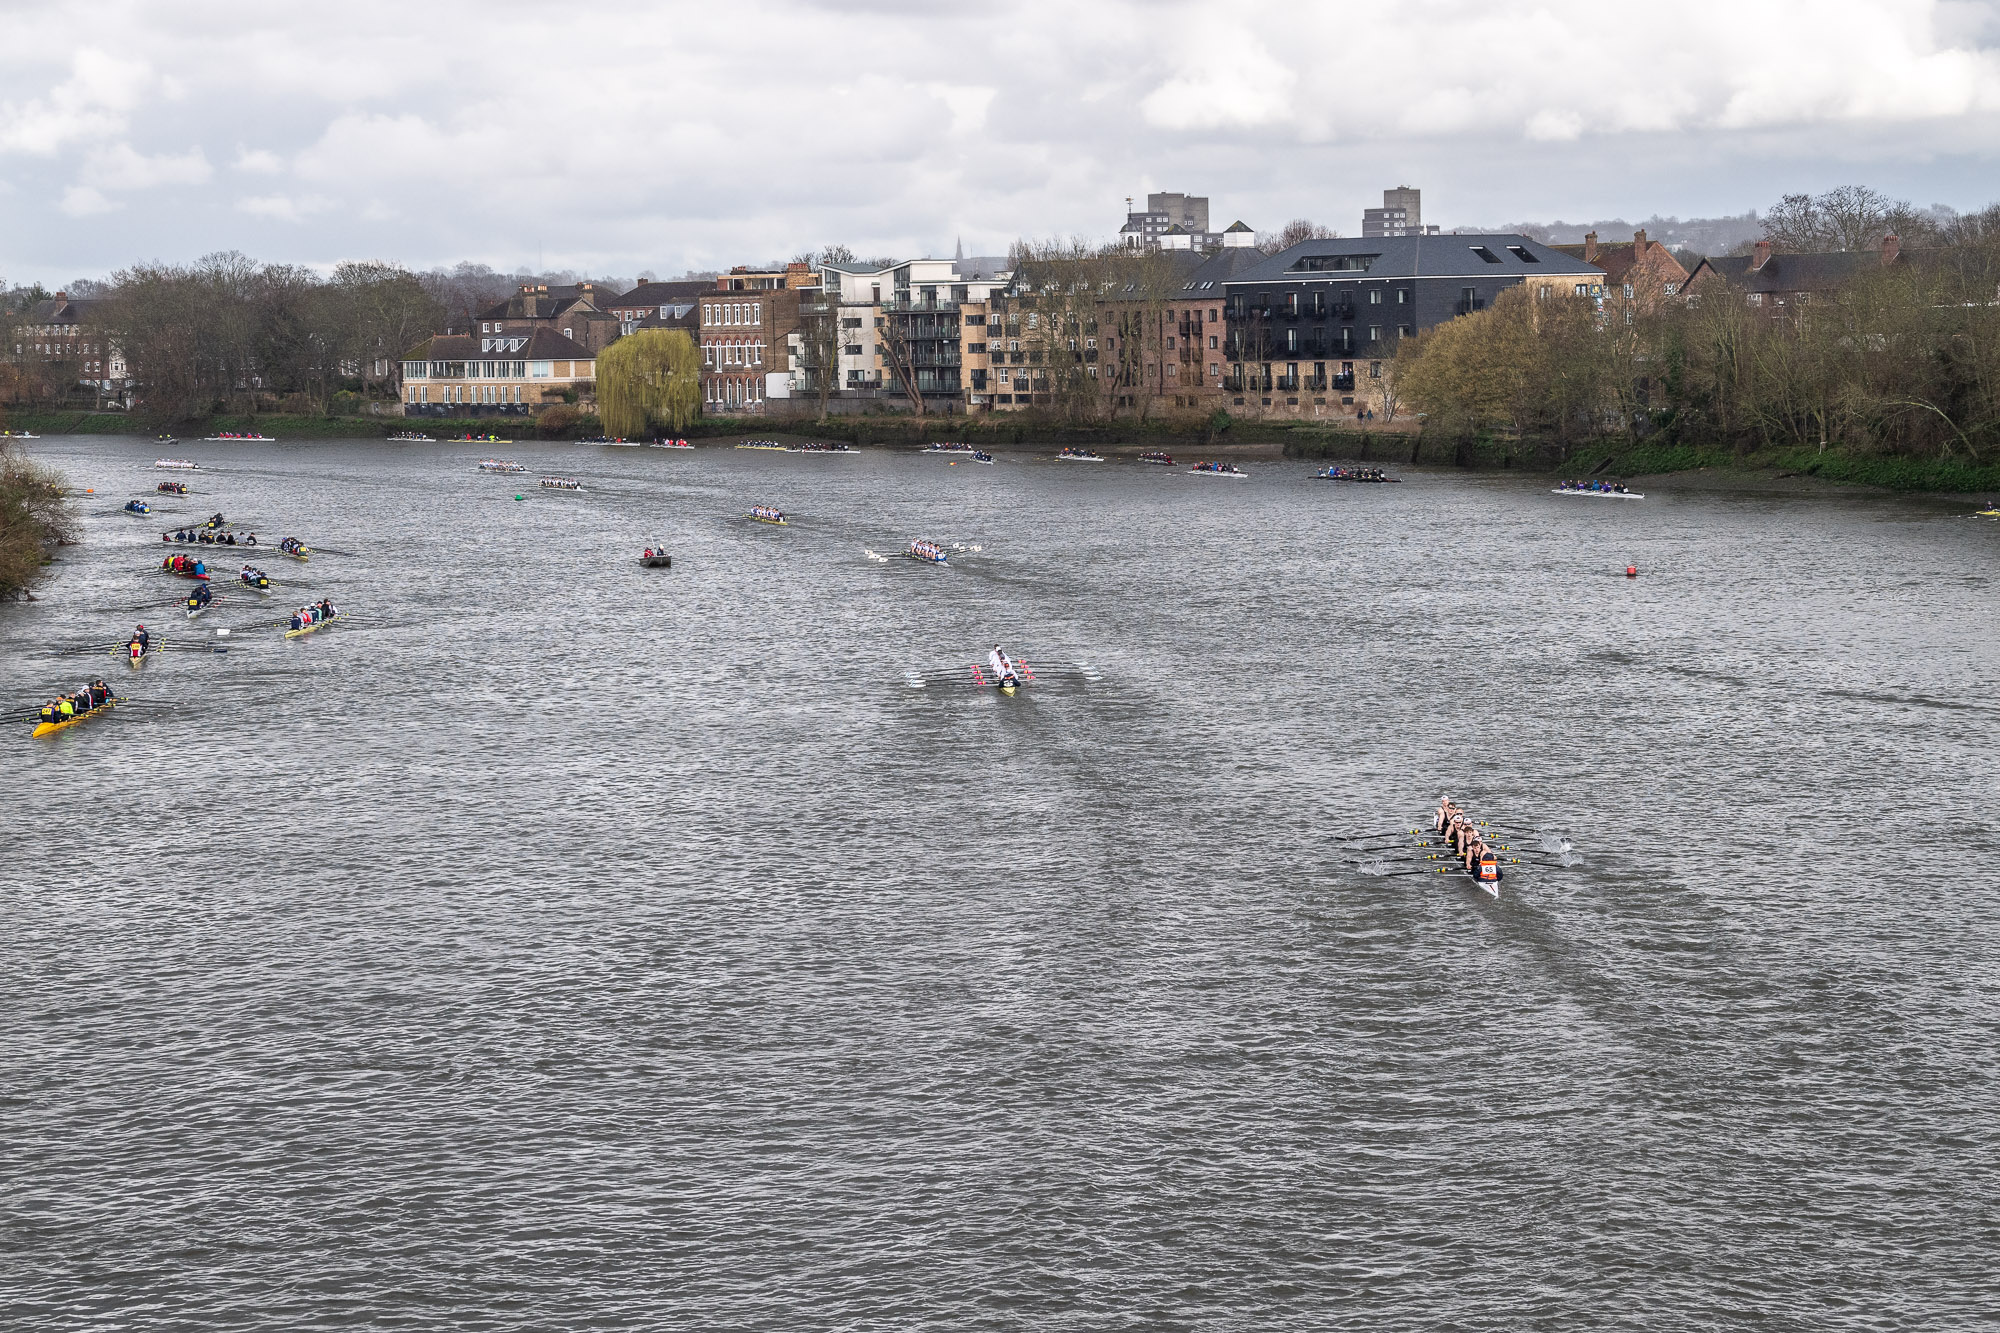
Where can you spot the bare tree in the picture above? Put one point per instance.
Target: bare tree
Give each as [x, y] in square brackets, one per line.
[1292, 233]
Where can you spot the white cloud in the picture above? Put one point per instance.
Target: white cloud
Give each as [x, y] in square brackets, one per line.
[630, 134]
[122, 167]
[80, 201]
[95, 100]
[282, 208]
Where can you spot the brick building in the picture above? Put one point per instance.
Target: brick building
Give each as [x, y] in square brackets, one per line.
[1638, 274]
[571, 311]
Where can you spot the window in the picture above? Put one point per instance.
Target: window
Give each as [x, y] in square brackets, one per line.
[1090, 343]
[520, 370]
[1170, 341]
[1333, 263]
[1583, 289]
[1628, 314]
[1522, 253]
[1485, 254]
[1215, 367]
[1374, 370]
[568, 334]
[1211, 342]
[1402, 296]
[1673, 289]
[976, 349]
[541, 370]
[1375, 297]
[1374, 333]
[1404, 330]
[1628, 291]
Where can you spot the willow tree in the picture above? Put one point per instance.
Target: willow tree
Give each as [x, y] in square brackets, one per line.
[650, 376]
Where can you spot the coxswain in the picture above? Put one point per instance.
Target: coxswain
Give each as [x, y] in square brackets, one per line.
[326, 611]
[140, 637]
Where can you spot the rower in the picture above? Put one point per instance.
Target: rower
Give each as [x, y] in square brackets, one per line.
[1003, 667]
[140, 637]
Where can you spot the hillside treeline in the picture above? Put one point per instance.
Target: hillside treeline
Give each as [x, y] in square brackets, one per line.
[1904, 360]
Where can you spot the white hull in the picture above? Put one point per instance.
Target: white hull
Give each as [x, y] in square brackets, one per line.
[1193, 472]
[1601, 495]
[1072, 458]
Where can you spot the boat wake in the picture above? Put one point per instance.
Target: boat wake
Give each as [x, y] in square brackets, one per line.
[1556, 845]
[878, 559]
[1375, 866]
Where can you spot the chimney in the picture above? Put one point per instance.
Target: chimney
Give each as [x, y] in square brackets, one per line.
[61, 297]
[1760, 256]
[1891, 247]
[1639, 242]
[1590, 247]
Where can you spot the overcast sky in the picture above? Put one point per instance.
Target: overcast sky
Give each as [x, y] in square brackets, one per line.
[615, 137]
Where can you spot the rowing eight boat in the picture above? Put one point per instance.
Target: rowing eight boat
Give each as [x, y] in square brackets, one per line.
[49, 728]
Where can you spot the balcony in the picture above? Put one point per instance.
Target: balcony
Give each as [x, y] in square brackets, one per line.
[1343, 383]
[1287, 383]
[905, 303]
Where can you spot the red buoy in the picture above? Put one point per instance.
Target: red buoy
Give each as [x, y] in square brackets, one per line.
[1631, 571]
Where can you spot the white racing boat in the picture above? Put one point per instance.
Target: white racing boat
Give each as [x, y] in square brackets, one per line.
[1601, 495]
[177, 464]
[1217, 470]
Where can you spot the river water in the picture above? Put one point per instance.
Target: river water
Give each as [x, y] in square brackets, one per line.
[587, 946]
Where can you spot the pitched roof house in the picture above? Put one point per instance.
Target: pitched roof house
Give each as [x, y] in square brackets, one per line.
[1772, 281]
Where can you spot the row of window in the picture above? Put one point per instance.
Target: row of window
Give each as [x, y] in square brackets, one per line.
[732, 313]
[491, 395]
[732, 393]
[479, 370]
[733, 354]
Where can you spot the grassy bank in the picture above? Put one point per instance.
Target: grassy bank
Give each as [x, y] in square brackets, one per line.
[1948, 475]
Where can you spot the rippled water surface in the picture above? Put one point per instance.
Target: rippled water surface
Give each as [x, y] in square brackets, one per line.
[583, 946]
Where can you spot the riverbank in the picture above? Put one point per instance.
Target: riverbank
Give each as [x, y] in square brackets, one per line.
[1221, 436]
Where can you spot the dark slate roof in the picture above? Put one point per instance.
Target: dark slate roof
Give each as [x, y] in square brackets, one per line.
[1798, 273]
[1420, 257]
[68, 310]
[1220, 267]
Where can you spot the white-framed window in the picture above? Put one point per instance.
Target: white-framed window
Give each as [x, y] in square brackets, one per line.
[1628, 291]
[1375, 297]
[541, 370]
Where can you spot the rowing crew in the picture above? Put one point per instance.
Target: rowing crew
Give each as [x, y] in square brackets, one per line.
[72, 706]
[1468, 844]
[767, 514]
[1355, 474]
[1613, 488]
[1005, 674]
[318, 613]
[1227, 469]
[172, 488]
[185, 566]
[292, 546]
[923, 550]
[138, 507]
[199, 599]
[206, 537]
[254, 576]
